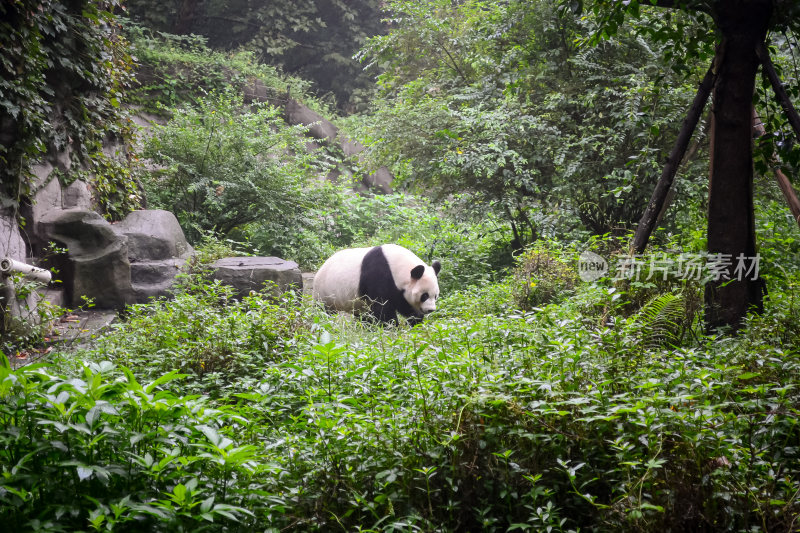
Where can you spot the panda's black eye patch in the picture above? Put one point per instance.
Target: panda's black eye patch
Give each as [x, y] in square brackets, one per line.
[424, 297]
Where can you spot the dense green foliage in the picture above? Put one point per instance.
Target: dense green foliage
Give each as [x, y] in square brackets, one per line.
[224, 169]
[313, 39]
[689, 34]
[543, 277]
[175, 69]
[63, 73]
[224, 166]
[483, 418]
[475, 245]
[497, 99]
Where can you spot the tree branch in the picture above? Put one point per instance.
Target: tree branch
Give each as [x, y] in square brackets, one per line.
[685, 5]
[453, 61]
[648, 221]
[777, 86]
[783, 182]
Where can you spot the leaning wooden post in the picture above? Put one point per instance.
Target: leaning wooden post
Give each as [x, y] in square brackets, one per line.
[648, 220]
[780, 92]
[783, 182]
[788, 193]
[794, 120]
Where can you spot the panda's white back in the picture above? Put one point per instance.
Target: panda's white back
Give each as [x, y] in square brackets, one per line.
[336, 282]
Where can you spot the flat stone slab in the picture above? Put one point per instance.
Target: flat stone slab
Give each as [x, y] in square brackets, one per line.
[247, 274]
[81, 326]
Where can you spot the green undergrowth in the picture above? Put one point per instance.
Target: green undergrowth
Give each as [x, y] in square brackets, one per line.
[176, 69]
[206, 413]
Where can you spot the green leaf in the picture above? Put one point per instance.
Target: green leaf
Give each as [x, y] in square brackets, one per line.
[166, 378]
[84, 473]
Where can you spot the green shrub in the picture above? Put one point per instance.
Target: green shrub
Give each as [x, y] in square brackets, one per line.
[476, 301]
[474, 248]
[211, 248]
[220, 344]
[178, 69]
[480, 419]
[543, 276]
[224, 166]
[483, 418]
[98, 450]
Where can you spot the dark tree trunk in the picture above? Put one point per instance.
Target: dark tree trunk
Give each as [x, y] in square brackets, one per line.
[731, 224]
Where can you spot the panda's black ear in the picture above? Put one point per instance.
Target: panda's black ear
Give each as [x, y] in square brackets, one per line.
[437, 266]
[417, 271]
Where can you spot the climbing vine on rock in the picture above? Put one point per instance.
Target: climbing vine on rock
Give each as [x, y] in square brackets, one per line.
[63, 73]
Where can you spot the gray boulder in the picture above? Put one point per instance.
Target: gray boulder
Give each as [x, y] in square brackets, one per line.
[153, 234]
[350, 147]
[247, 274]
[83, 231]
[318, 126]
[321, 128]
[15, 314]
[76, 194]
[157, 250]
[96, 262]
[47, 193]
[380, 180]
[154, 279]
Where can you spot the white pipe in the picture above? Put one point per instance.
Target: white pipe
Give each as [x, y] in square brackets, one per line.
[8, 266]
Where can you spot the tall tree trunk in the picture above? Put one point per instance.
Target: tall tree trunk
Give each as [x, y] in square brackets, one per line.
[731, 224]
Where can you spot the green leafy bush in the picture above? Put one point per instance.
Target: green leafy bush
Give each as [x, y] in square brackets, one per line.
[98, 450]
[482, 418]
[220, 344]
[175, 70]
[543, 275]
[498, 98]
[224, 166]
[211, 248]
[474, 248]
[310, 39]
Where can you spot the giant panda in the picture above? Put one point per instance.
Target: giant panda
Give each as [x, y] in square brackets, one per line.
[380, 281]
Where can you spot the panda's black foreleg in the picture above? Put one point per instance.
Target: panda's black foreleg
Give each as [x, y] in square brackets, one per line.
[384, 312]
[413, 320]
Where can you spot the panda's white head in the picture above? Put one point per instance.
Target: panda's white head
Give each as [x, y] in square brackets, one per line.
[423, 289]
[418, 281]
